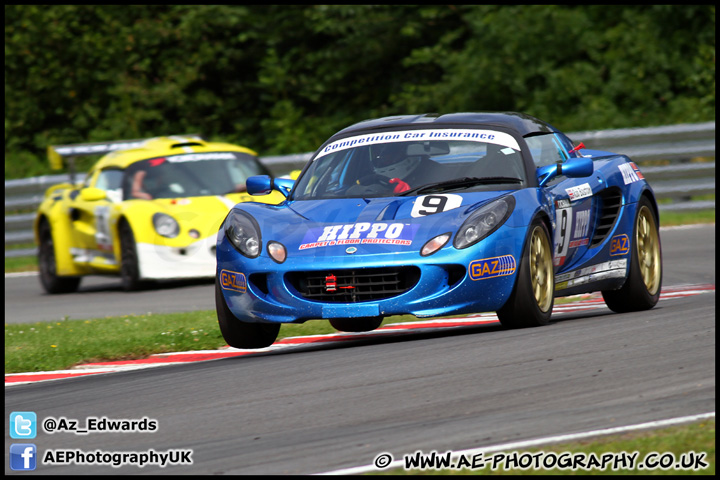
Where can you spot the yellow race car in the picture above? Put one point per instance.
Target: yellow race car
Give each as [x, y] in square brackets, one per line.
[147, 210]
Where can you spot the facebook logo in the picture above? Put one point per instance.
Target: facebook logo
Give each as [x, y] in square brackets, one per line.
[23, 425]
[23, 456]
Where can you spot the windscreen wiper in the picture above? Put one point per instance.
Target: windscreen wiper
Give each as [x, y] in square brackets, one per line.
[460, 183]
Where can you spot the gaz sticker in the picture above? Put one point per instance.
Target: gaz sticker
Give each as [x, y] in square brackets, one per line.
[492, 267]
[234, 281]
[619, 245]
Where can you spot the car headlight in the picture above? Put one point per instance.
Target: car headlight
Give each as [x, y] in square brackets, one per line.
[483, 221]
[243, 232]
[165, 225]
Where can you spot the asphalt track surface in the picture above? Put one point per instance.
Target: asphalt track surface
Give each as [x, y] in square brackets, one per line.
[337, 406]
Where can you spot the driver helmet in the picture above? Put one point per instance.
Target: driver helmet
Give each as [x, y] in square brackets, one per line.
[391, 161]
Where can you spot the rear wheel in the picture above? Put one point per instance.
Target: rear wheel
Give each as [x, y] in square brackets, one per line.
[641, 290]
[364, 324]
[51, 282]
[241, 334]
[531, 302]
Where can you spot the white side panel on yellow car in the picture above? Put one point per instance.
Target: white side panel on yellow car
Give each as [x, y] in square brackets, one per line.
[197, 260]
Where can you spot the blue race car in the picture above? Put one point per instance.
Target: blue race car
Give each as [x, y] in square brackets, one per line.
[438, 215]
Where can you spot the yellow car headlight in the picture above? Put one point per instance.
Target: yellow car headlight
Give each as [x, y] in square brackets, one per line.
[165, 225]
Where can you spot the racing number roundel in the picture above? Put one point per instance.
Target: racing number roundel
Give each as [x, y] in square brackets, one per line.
[429, 204]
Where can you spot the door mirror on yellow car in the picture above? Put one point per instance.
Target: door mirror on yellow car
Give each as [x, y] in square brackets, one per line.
[92, 194]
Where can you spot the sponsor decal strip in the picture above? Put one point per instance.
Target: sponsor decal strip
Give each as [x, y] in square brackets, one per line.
[360, 233]
[581, 191]
[194, 157]
[587, 302]
[601, 271]
[82, 255]
[487, 136]
[630, 172]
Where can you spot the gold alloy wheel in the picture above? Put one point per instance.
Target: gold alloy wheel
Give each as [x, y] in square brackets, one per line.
[541, 269]
[648, 249]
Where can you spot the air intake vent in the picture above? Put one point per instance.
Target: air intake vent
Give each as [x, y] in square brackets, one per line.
[188, 144]
[609, 208]
[355, 285]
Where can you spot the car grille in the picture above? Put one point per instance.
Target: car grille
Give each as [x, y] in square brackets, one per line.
[354, 285]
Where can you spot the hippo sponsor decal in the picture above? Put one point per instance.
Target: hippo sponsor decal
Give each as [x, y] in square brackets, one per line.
[360, 233]
[630, 172]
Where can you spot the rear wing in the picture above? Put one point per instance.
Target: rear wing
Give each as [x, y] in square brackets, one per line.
[60, 154]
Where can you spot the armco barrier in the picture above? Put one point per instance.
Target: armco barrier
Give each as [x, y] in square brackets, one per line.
[678, 181]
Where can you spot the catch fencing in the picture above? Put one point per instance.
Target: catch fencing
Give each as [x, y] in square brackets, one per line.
[677, 160]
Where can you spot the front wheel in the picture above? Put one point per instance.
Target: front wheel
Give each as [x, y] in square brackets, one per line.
[641, 290]
[51, 282]
[129, 270]
[531, 302]
[364, 324]
[241, 334]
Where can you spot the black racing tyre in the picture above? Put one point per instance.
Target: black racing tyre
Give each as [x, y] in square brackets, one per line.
[129, 270]
[531, 301]
[641, 290]
[50, 281]
[363, 324]
[241, 334]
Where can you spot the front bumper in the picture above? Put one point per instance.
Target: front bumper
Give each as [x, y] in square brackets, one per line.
[160, 262]
[450, 281]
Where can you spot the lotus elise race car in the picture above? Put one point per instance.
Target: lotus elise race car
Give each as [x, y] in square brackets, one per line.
[438, 215]
[148, 210]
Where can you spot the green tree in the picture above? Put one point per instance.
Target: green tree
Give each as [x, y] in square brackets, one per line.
[282, 78]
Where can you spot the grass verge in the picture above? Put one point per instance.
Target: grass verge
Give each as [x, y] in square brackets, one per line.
[59, 345]
[63, 344]
[671, 219]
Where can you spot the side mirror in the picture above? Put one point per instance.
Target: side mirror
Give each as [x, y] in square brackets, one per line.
[91, 194]
[283, 185]
[573, 168]
[259, 185]
[264, 184]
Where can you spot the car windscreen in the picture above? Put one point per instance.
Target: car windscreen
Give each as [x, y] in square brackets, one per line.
[190, 175]
[413, 161]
